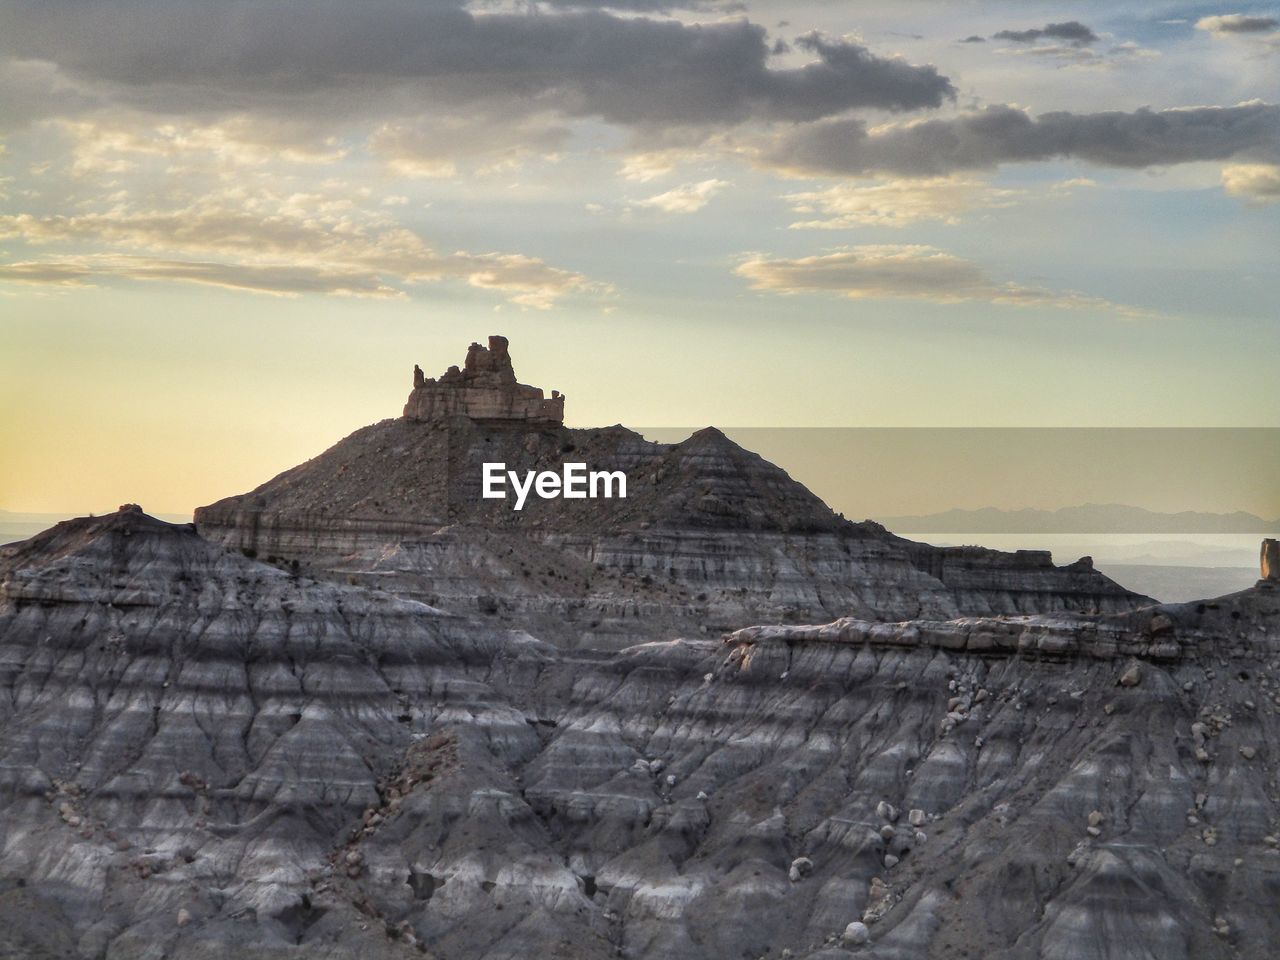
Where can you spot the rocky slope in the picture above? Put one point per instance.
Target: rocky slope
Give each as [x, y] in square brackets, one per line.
[185, 736]
[203, 755]
[710, 536]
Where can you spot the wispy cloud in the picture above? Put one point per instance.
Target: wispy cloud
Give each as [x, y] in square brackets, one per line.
[687, 198]
[287, 245]
[435, 146]
[897, 202]
[115, 142]
[278, 279]
[1074, 55]
[906, 272]
[1234, 24]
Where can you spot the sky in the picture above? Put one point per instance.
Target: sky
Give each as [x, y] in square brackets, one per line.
[229, 229]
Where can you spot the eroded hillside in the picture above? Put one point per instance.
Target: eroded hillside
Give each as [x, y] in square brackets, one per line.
[200, 752]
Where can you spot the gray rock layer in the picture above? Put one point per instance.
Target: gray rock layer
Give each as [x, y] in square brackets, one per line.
[202, 755]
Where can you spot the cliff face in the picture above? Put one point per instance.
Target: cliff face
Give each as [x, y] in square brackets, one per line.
[202, 754]
[710, 536]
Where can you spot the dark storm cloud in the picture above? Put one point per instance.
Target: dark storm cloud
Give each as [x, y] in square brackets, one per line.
[368, 58]
[1003, 134]
[1072, 31]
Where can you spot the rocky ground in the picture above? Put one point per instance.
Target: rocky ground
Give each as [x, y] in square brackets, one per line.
[203, 754]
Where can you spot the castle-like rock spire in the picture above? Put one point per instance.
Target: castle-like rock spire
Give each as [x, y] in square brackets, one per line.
[484, 389]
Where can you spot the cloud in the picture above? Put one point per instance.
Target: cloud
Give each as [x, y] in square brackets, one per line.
[1071, 44]
[1003, 134]
[1261, 33]
[433, 146]
[1231, 24]
[46, 273]
[650, 165]
[342, 61]
[1072, 31]
[279, 279]
[119, 141]
[688, 198]
[897, 202]
[1257, 183]
[31, 90]
[293, 245]
[1072, 55]
[904, 272]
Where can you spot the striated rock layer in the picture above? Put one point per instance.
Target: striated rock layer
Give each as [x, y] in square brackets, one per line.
[710, 537]
[203, 755]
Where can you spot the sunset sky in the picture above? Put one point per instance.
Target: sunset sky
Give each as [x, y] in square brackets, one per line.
[229, 229]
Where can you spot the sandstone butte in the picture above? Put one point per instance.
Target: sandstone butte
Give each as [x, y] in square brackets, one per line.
[484, 389]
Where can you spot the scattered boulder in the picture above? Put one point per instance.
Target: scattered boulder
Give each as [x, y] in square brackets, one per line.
[856, 934]
[1132, 675]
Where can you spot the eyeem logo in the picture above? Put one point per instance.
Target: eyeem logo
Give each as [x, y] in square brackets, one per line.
[576, 483]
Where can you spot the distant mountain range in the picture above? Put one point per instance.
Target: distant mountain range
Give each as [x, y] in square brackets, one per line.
[1086, 518]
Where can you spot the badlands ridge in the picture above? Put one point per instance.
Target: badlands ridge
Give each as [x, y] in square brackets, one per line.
[360, 712]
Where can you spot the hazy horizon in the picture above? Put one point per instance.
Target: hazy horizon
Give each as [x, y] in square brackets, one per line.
[875, 473]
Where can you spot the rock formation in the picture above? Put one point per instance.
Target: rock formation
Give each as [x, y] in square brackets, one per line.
[711, 536]
[1271, 559]
[484, 389]
[203, 755]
